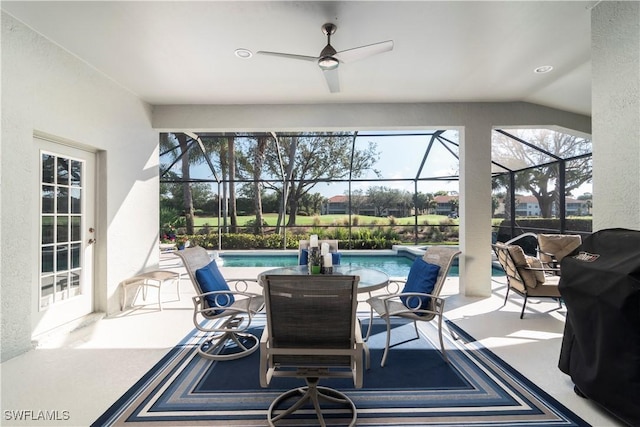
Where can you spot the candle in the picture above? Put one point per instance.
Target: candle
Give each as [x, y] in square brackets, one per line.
[313, 241]
[328, 260]
[324, 248]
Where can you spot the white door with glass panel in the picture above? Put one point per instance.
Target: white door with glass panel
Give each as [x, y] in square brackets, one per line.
[67, 235]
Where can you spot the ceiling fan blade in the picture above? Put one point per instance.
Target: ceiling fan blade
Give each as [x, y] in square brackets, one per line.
[289, 55]
[333, 80]
[357, 53]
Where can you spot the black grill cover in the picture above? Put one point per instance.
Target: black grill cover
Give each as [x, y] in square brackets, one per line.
[601, 343]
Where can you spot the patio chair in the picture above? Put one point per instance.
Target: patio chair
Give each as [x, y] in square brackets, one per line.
[420, 299]
[552, 248]
[527, 275]
[232, 310]
[311, 333]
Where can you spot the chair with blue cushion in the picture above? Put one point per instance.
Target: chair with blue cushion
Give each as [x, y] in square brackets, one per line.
[419, 300]
[231, 311]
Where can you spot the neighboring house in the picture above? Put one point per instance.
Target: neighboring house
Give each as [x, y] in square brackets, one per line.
[528, 206]
[444, 204]
[336, 205]
[339, 205]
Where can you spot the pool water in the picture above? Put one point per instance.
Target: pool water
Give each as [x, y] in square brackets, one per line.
[393, 265]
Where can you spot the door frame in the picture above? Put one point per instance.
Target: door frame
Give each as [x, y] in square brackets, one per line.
[65, 312]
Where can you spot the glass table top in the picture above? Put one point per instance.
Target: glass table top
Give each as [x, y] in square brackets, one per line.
[370, 278]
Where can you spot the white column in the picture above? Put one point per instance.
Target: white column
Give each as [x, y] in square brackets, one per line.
[615, 41]
[475, 208]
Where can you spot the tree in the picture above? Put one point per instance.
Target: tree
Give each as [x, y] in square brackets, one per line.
[220, 146]
[172, 196]
[358, 200]
[538, 171]
[317, 158]
[186, 185]
[385, 199]
[455, 203]
[312, 203]
[424, 202]
[232, 183]
[258, 162]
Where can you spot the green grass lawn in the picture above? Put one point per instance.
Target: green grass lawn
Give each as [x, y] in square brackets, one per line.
[327, 220]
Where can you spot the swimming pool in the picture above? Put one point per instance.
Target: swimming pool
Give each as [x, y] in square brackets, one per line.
[393, 265]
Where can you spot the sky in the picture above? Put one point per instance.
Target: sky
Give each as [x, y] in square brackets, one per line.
[400, 158]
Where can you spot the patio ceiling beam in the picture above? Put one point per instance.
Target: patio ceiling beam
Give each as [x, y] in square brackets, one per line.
[177, 159]
[442, 141]
[424, 158]
[197, 139]
[528, 144]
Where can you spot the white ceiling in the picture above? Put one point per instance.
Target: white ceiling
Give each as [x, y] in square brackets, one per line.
[182, 52]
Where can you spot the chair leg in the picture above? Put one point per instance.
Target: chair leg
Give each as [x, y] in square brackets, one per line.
[314, 393]
[213, 347]
[524, 304]
[386, 347]
[370, 322]
[367, 356]
[444, 352]
[506, 296]
[388, 343]
[367, 353]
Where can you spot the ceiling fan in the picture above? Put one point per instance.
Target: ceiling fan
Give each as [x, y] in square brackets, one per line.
[329, 59]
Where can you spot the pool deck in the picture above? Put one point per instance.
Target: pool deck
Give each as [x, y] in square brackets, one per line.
[125, 345]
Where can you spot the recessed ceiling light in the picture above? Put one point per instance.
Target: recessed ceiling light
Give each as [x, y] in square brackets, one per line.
[543, 69]
[243, 53]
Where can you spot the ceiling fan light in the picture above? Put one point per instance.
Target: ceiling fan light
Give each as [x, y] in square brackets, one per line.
[328, 63]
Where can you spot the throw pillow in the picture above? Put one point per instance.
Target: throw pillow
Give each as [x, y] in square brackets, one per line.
[422, 278]
[210, 279]
[520, 260]
[304, 257]
[335, 258]
[534, 262]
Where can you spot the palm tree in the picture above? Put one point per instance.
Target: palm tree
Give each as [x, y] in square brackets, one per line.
[170, 143]
[258, 161]
[232, 183]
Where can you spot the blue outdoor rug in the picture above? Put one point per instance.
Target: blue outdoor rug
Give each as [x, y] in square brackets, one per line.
[416, 387]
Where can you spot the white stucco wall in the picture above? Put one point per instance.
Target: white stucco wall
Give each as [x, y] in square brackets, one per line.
[45, 89]
[615, 32]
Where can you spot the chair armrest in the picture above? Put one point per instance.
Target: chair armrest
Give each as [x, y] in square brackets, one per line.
[546, 270]
[394, 306]
[244, 301]
[241, 285]
[394, 286]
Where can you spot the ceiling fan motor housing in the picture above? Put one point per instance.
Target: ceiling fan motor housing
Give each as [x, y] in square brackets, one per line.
[326, 61]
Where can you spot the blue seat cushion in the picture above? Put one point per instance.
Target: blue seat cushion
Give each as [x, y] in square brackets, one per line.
[422, 278]
[210, 279]
[304, 257]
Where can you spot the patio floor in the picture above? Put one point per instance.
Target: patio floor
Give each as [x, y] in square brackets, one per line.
[81, 373]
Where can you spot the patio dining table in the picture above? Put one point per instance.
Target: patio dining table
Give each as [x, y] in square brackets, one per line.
[370, 278]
